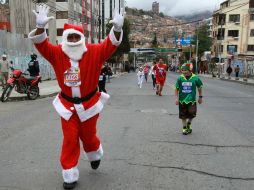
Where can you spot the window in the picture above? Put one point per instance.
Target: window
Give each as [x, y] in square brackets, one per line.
[59, 31]
[252, 17]
[233, 33]
[250, 48]
[221, 33]
[61, 0]
[234, 18]
[251, 5]
[222, 18]
[42, 1]
[232, 49]
[252, 33]
[61, 14]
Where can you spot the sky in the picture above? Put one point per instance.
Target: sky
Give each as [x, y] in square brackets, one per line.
[176, 7]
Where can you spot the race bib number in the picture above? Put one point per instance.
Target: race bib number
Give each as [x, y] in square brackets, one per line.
[187, 87]
[72, 77]
[162, 72]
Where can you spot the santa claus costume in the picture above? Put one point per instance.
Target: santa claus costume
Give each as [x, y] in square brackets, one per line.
[77, 67]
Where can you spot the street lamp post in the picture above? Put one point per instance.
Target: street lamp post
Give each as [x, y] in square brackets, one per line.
[196, 65]
[220, 48]
[99, 20]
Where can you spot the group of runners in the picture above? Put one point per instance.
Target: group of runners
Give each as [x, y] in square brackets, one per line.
[186, 86]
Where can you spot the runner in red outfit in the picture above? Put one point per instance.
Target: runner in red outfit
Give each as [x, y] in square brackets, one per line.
[161, 73]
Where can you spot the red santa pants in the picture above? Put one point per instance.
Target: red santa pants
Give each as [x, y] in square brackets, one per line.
[73, 130]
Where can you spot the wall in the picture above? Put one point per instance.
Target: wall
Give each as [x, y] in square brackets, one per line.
[18, 49]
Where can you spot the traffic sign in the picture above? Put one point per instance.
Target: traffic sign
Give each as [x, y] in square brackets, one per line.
[183, 41]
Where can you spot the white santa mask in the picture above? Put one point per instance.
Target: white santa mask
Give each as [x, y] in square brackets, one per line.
[74, 50]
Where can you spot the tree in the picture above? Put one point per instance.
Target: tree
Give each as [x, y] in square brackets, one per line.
[155, 42]
[161, 15]
[125, 45]
[205, 42]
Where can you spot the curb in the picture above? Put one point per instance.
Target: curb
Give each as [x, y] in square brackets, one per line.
[229, 80]
[240, 82]
[24, 98]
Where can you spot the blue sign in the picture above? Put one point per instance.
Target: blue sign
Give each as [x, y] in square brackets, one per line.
[183, 41]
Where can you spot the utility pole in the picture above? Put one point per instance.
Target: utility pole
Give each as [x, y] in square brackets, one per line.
[103, 19]
[196, 65]
[220, 48]
[99, 20]
[110, 9]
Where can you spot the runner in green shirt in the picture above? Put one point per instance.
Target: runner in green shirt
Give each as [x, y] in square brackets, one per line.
[185, 93]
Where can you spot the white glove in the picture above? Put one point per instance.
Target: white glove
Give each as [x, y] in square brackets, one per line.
[118, 20]
[42, 16]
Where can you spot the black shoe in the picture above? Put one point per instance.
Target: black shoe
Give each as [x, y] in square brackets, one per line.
[95, 164]
[69, 185]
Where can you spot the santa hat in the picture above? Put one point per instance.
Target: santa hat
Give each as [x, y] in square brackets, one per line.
[72, 29]
[187, 66]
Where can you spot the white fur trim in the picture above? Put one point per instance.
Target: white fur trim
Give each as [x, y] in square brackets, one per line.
[95, 155]
[74, 50]
[82, 113]
[76, 89]
[61, 110]
[95, 109]
[70, 175]
[113, 39]
[71, 31]
[37, 39]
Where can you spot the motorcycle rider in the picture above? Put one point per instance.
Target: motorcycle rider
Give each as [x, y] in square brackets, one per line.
[33, 66]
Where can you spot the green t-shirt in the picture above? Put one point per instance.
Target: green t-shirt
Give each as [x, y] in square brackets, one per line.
[187, 88]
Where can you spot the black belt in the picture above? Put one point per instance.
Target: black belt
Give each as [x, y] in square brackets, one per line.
[77, 100]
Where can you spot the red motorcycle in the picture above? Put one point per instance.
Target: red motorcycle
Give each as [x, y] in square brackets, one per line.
[22, 85]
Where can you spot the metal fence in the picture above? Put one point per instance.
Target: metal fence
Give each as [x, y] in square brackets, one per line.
[18, 50]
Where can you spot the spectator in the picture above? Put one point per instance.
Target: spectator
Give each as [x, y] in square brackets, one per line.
[4, 70]
[237, 70]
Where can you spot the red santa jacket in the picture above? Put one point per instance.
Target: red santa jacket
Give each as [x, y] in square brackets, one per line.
[90, 66]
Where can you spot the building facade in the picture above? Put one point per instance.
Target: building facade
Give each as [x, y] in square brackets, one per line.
[233, 33]
[5, 16]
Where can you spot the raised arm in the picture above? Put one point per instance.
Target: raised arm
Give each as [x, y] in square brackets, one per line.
[39, 36]
[109, 46]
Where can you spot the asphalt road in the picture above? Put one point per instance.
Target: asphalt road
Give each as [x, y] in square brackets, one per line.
[141, 136]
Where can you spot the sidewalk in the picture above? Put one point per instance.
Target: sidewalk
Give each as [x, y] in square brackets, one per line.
[232, 79]
[47, 88]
